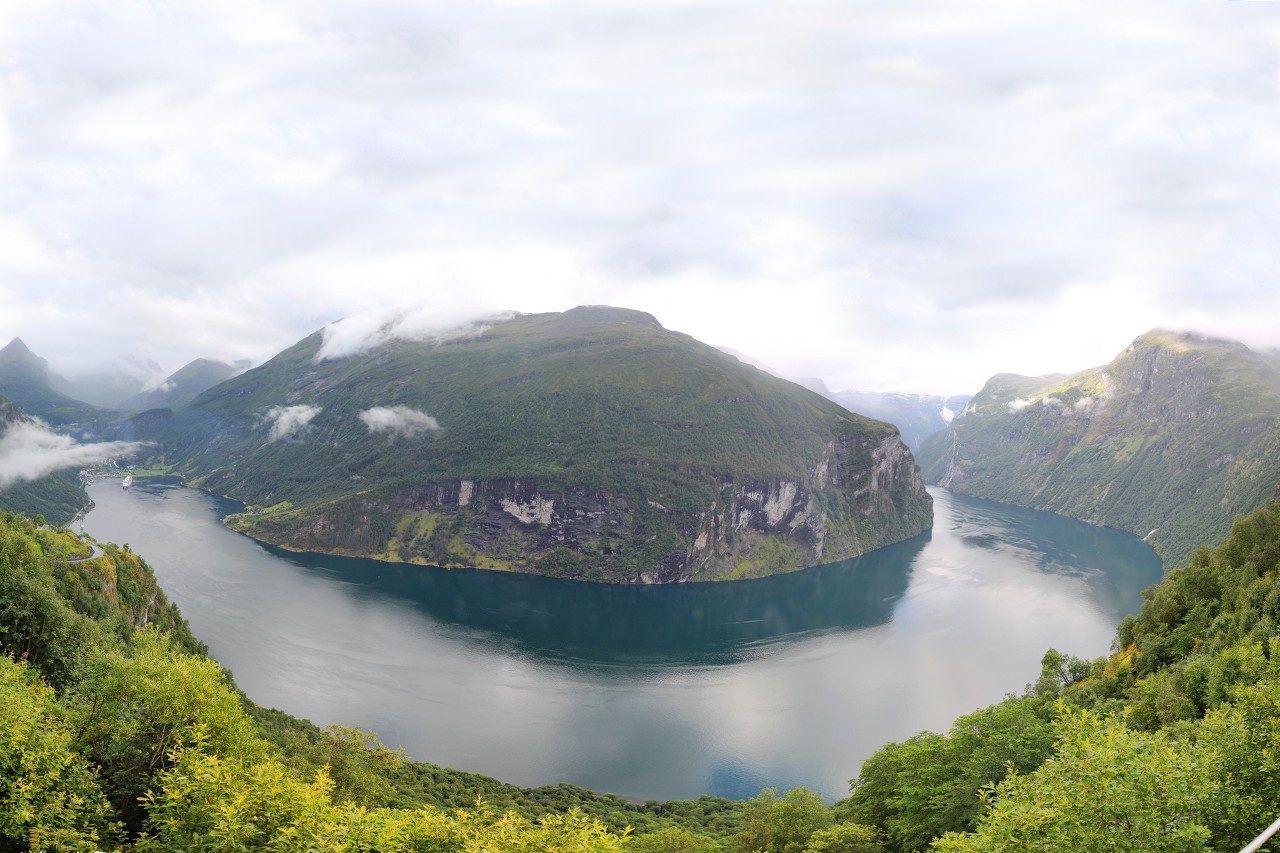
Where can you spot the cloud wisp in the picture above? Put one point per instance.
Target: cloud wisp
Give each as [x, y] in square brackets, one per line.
[29, 451]
[290, 422]
[950, 192]
[363, 332]
[398, 421]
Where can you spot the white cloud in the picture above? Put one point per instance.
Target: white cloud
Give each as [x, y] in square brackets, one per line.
[1018, 405]
[28, 451]
[362, 332]
[289, 422]
[958, 192]
[398, 420]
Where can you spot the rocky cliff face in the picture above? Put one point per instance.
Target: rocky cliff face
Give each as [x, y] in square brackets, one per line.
[863, 494]
[1169, 441]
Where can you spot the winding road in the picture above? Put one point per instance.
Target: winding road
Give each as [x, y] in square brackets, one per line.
[95, 554]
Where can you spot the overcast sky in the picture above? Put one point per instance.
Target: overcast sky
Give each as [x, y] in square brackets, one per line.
[888, 196]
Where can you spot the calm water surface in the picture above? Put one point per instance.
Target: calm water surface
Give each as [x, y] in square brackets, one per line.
[649, 692]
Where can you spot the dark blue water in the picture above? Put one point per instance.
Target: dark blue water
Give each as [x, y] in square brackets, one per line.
[650, 692]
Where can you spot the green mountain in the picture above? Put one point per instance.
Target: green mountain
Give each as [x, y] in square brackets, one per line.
[1170, 441]
[591, 444]
[25, 379]
[183, 385]
[59, 496]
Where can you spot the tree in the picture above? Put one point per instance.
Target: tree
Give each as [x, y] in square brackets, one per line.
[776, 824]
[132, 712]
[846, 838]
[672, 839]
[49, 797]
[1108, 789]
[1241, 748]
[918, 789]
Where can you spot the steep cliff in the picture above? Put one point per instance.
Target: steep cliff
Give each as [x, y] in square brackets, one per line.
[592, 444]
[1170, 441]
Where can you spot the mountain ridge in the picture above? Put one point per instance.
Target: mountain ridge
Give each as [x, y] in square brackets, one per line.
[25, 379]
[592, 444]
[1170, 441]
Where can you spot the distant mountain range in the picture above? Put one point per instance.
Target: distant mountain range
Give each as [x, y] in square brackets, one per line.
[917, 416]
[114, 382]
[25, 380]
[590, 444]
[184, 385]
[1170, 441]
[596, 444]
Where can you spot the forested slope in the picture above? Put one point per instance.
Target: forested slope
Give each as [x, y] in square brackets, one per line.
[119, 733]
[58, 496]
[1170, 743]
[1171, 441]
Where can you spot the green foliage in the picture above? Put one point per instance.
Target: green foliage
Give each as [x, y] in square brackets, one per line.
[1241, 749]
[673, 839]
[36, 624]
[207, 802]
[133, 709]
[49, 797]
[773, 824]
[120, 590]
[1058, 671]
[1107, 788]
[928, 785]
[846, 838]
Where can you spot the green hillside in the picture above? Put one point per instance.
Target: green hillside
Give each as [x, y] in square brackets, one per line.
[1170, 441]
[182, 386]
[59, 496]
[591, 444]
[119, 734]
[1169, 743]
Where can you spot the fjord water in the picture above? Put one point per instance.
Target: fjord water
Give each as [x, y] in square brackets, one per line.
[649, 692]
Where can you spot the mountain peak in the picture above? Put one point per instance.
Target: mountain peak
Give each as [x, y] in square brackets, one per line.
[1182, 341]
[588, 316]
[17, 356]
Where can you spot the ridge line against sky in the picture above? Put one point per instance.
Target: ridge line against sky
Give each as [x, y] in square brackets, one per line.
[906, 197]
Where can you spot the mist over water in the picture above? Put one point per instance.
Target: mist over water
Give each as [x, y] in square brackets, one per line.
[649, 692]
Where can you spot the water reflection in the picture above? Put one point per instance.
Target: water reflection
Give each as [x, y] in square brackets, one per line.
[685, 624]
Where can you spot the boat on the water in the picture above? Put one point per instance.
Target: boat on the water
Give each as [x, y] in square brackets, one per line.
[128, 481]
